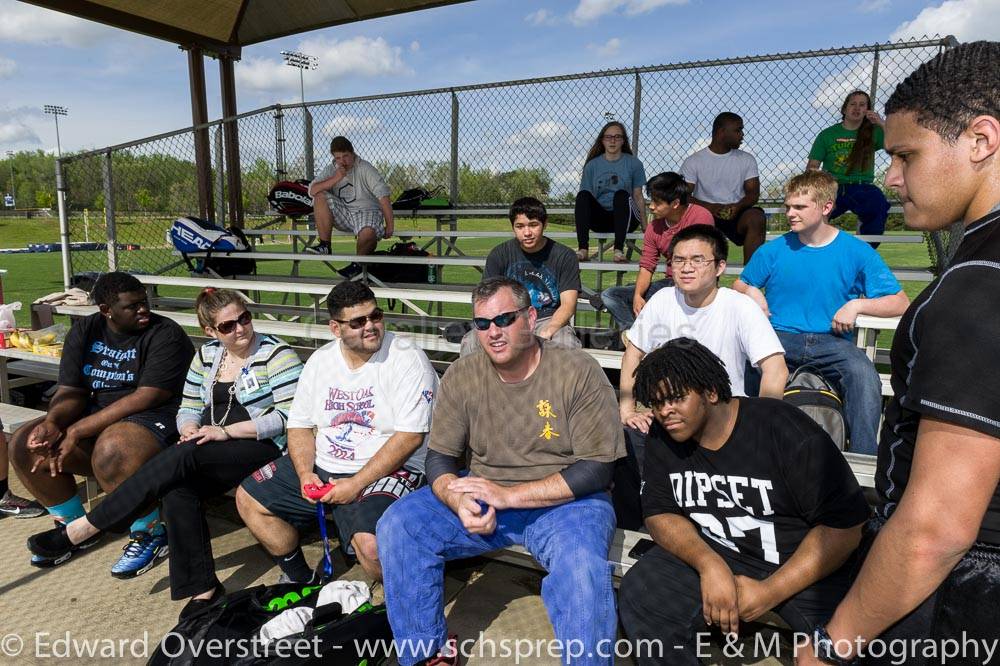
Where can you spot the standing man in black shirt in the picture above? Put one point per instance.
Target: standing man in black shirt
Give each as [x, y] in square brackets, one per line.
[933, 568]
[120, 383]
[750, 503]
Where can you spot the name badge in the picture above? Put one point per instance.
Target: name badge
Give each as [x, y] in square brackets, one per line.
[249, 381]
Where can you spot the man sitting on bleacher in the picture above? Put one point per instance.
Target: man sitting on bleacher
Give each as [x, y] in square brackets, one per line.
[549, 271]
[361, 411]
[120, 383]
[749, 502]
[538, 424]
[813, 282]
[352, 196]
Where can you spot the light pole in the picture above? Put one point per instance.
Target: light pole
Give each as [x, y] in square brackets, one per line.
[56, 111]
[302, 61]
[10, 158]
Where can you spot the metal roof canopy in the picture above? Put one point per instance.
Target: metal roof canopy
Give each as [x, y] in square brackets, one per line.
[221, 28]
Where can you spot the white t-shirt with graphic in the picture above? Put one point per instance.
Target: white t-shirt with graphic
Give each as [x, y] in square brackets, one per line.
[355, 412]
[732, 326]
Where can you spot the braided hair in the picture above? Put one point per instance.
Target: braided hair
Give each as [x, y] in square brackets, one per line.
[948, 91]
[678, 367]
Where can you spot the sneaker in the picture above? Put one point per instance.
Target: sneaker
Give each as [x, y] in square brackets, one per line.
[351, 270]
[596, 302]
[19, 507]
[620, 257]
[141, 553]
[447, 655]
[322, 247]
[52, 547]
[583, 254]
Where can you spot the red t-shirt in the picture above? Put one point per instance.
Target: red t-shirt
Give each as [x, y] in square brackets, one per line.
[656, 240]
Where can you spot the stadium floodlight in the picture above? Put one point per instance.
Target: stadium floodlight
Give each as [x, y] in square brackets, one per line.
[302, 61]
[56, 111]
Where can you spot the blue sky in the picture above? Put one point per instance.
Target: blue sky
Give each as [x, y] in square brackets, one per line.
[120, 86]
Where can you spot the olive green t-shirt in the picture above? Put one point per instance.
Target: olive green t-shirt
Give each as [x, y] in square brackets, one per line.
[833, 146]
[564, 412]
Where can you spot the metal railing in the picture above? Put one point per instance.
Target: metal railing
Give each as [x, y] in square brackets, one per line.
[484, 144]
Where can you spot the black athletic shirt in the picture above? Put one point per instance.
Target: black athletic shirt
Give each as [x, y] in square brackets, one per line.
[946, 363]
[777, 476]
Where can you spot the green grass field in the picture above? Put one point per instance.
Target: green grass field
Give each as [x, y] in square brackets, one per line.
[32, 275]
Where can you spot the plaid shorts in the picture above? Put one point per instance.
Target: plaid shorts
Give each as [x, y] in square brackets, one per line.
[353, 221]
[276, 487]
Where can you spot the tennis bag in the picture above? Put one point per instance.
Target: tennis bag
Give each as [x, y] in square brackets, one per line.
[419, 198]
[291, 198]
[191, 234]
[403, 272]
[807, 390]
[226, 632]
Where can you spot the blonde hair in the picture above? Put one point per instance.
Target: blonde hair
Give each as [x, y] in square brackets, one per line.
[211, 300]
[820, 185]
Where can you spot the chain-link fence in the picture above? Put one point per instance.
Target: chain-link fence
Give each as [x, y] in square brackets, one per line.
[483, 144]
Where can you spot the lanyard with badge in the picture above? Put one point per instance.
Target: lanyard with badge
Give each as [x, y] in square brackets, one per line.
[249, 380]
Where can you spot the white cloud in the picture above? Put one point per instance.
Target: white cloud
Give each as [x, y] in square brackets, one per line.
[873, 6]
[414, 46]
[21, 22]
[338, 59]
[7, 67]
[352, 126]
[14, 126]
[591, 10]
[607, 49]
[547, 130]
[541, 17]
[968, 20]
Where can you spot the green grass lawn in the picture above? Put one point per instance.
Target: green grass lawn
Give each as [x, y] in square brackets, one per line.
[32, 275]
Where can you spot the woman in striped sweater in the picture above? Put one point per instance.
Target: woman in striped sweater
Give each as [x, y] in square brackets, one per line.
[232, 421]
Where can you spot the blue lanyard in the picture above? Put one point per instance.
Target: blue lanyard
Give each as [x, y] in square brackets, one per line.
[327, 562]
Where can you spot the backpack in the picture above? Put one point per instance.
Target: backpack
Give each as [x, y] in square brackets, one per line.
[191, 234]
[418, 197]
[404, 272]
[807, 390]
[291, 198]
[235, 620]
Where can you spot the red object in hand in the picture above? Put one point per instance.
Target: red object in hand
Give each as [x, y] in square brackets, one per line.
[317, 492]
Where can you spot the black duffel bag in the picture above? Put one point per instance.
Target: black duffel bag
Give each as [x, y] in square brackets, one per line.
[403, 272]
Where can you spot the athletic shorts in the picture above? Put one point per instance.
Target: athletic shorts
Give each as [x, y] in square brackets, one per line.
[353, 221]
[276, 487]
[729, 227]
[160, 422]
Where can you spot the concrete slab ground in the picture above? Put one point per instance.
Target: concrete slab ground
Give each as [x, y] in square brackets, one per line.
[42, 611]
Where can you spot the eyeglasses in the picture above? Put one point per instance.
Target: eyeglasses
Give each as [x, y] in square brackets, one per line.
[695, 262]
[227, 327]
[502, 320]
[614, 137]
[359, 322]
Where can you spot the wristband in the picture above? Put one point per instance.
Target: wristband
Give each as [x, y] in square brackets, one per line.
[228, 436]
[826, 649]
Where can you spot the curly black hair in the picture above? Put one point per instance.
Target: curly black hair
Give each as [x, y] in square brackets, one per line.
[948, 91]
[109, 285]
[678, 367]
[347, 294]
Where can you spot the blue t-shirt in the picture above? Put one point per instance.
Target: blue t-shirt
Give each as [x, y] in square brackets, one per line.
[805, 286]
[603, 178]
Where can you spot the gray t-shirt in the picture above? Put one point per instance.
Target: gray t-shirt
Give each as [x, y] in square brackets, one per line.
[360, 189]
[566, 411]
[545, 274]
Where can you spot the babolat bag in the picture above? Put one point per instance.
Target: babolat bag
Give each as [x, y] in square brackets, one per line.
[291, 198]
[807, 390]
[228, 632]
[191, 234]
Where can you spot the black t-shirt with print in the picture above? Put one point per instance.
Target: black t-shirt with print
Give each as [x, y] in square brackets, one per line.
[545, 273]
[946, 364]
[777, 476]
[110, 365]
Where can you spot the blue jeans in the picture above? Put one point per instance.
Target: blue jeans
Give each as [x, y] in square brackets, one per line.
[618, 300]
[852, 374]
[419, 533]
[868, 203]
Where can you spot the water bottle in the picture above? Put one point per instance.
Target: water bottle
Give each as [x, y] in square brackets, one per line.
[432, 277]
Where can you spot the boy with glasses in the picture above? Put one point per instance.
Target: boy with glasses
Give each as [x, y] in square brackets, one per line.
[812, 283]
[537, 424]
[358, 421]
[548, 270]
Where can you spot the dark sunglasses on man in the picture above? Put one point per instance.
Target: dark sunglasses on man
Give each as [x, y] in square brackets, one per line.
[502, 320]
[228, 326]
[359, 322]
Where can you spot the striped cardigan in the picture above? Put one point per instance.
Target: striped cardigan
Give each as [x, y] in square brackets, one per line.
[277, 369]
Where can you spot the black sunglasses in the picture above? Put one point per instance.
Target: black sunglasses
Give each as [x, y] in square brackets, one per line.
[359, 322]
[502, 320]
[227, 327]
